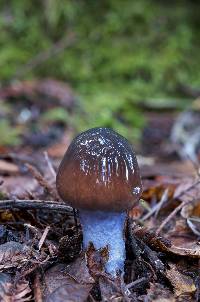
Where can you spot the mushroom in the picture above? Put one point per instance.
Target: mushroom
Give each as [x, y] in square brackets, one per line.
[99, 175]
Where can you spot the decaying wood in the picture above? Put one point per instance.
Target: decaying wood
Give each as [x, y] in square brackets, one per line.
[29, 204]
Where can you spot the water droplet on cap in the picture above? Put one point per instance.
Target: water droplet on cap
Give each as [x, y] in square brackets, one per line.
[136, 190]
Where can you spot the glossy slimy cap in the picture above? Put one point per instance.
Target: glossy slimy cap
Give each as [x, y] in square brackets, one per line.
[99, 171]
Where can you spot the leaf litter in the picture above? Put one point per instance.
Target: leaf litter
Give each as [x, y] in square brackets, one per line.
[41, 258]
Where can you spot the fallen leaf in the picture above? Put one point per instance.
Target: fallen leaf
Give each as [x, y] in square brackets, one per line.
[159, 293]
[13, 254]
[191, 212]
[59, 148]
[182, 284]
[8, 168]
[53, 90]
[189, 248]
[111, 291]
[72, 281]
[18, 185]
[188, 188]
[14, 291]
[71, 292]
[96, 259]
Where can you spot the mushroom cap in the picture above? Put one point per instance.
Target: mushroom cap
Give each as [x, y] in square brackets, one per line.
[99, 171]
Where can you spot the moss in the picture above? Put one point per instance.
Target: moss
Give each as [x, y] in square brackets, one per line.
[9, 135]
[56, 114]
[124, 52]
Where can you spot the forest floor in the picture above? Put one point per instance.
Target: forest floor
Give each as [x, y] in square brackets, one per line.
[40, 236]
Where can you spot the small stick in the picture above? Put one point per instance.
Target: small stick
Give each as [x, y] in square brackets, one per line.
[164, 199]
[136, 282]
[50, 166]
[35, 205]
[171, 215]
[44, 235]
[157, 207]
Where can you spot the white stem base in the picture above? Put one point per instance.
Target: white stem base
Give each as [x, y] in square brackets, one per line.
[105, 229]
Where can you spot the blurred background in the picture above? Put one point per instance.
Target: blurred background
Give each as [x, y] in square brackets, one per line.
[66, 66]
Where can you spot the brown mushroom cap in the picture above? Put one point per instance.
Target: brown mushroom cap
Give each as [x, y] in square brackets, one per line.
[99, 171]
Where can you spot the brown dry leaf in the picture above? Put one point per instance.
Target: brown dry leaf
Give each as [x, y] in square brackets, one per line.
[191, 212]
[182, 284]
[182, 245]
[194, 225]
[79, 270]
[18, 185]
[8, 168]
[183, 242]
[72, 281]
[71, 292]
[188, 248]
[53, 90]
[155, 188]
[14, 292]
[136, 212]
[111, 290]
[5, 280]
[58, 149]
[150, 238]
[172, 170]
[20, 293]
[185, 186]
[176, 245]
[96, 260]
[158, 293]
[54, 277]
[13, 254]
[6, 216]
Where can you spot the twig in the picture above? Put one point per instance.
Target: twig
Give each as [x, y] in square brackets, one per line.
[37, 287]
[157, 207]
[171, 215]
[51, 52]
[136, 282]
[35, 205]
[32, 228]
[38, 234]
[44, 235]
[50, 166]
[176, 210]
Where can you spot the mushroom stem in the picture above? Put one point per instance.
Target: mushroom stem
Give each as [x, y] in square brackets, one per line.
[105, 229]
